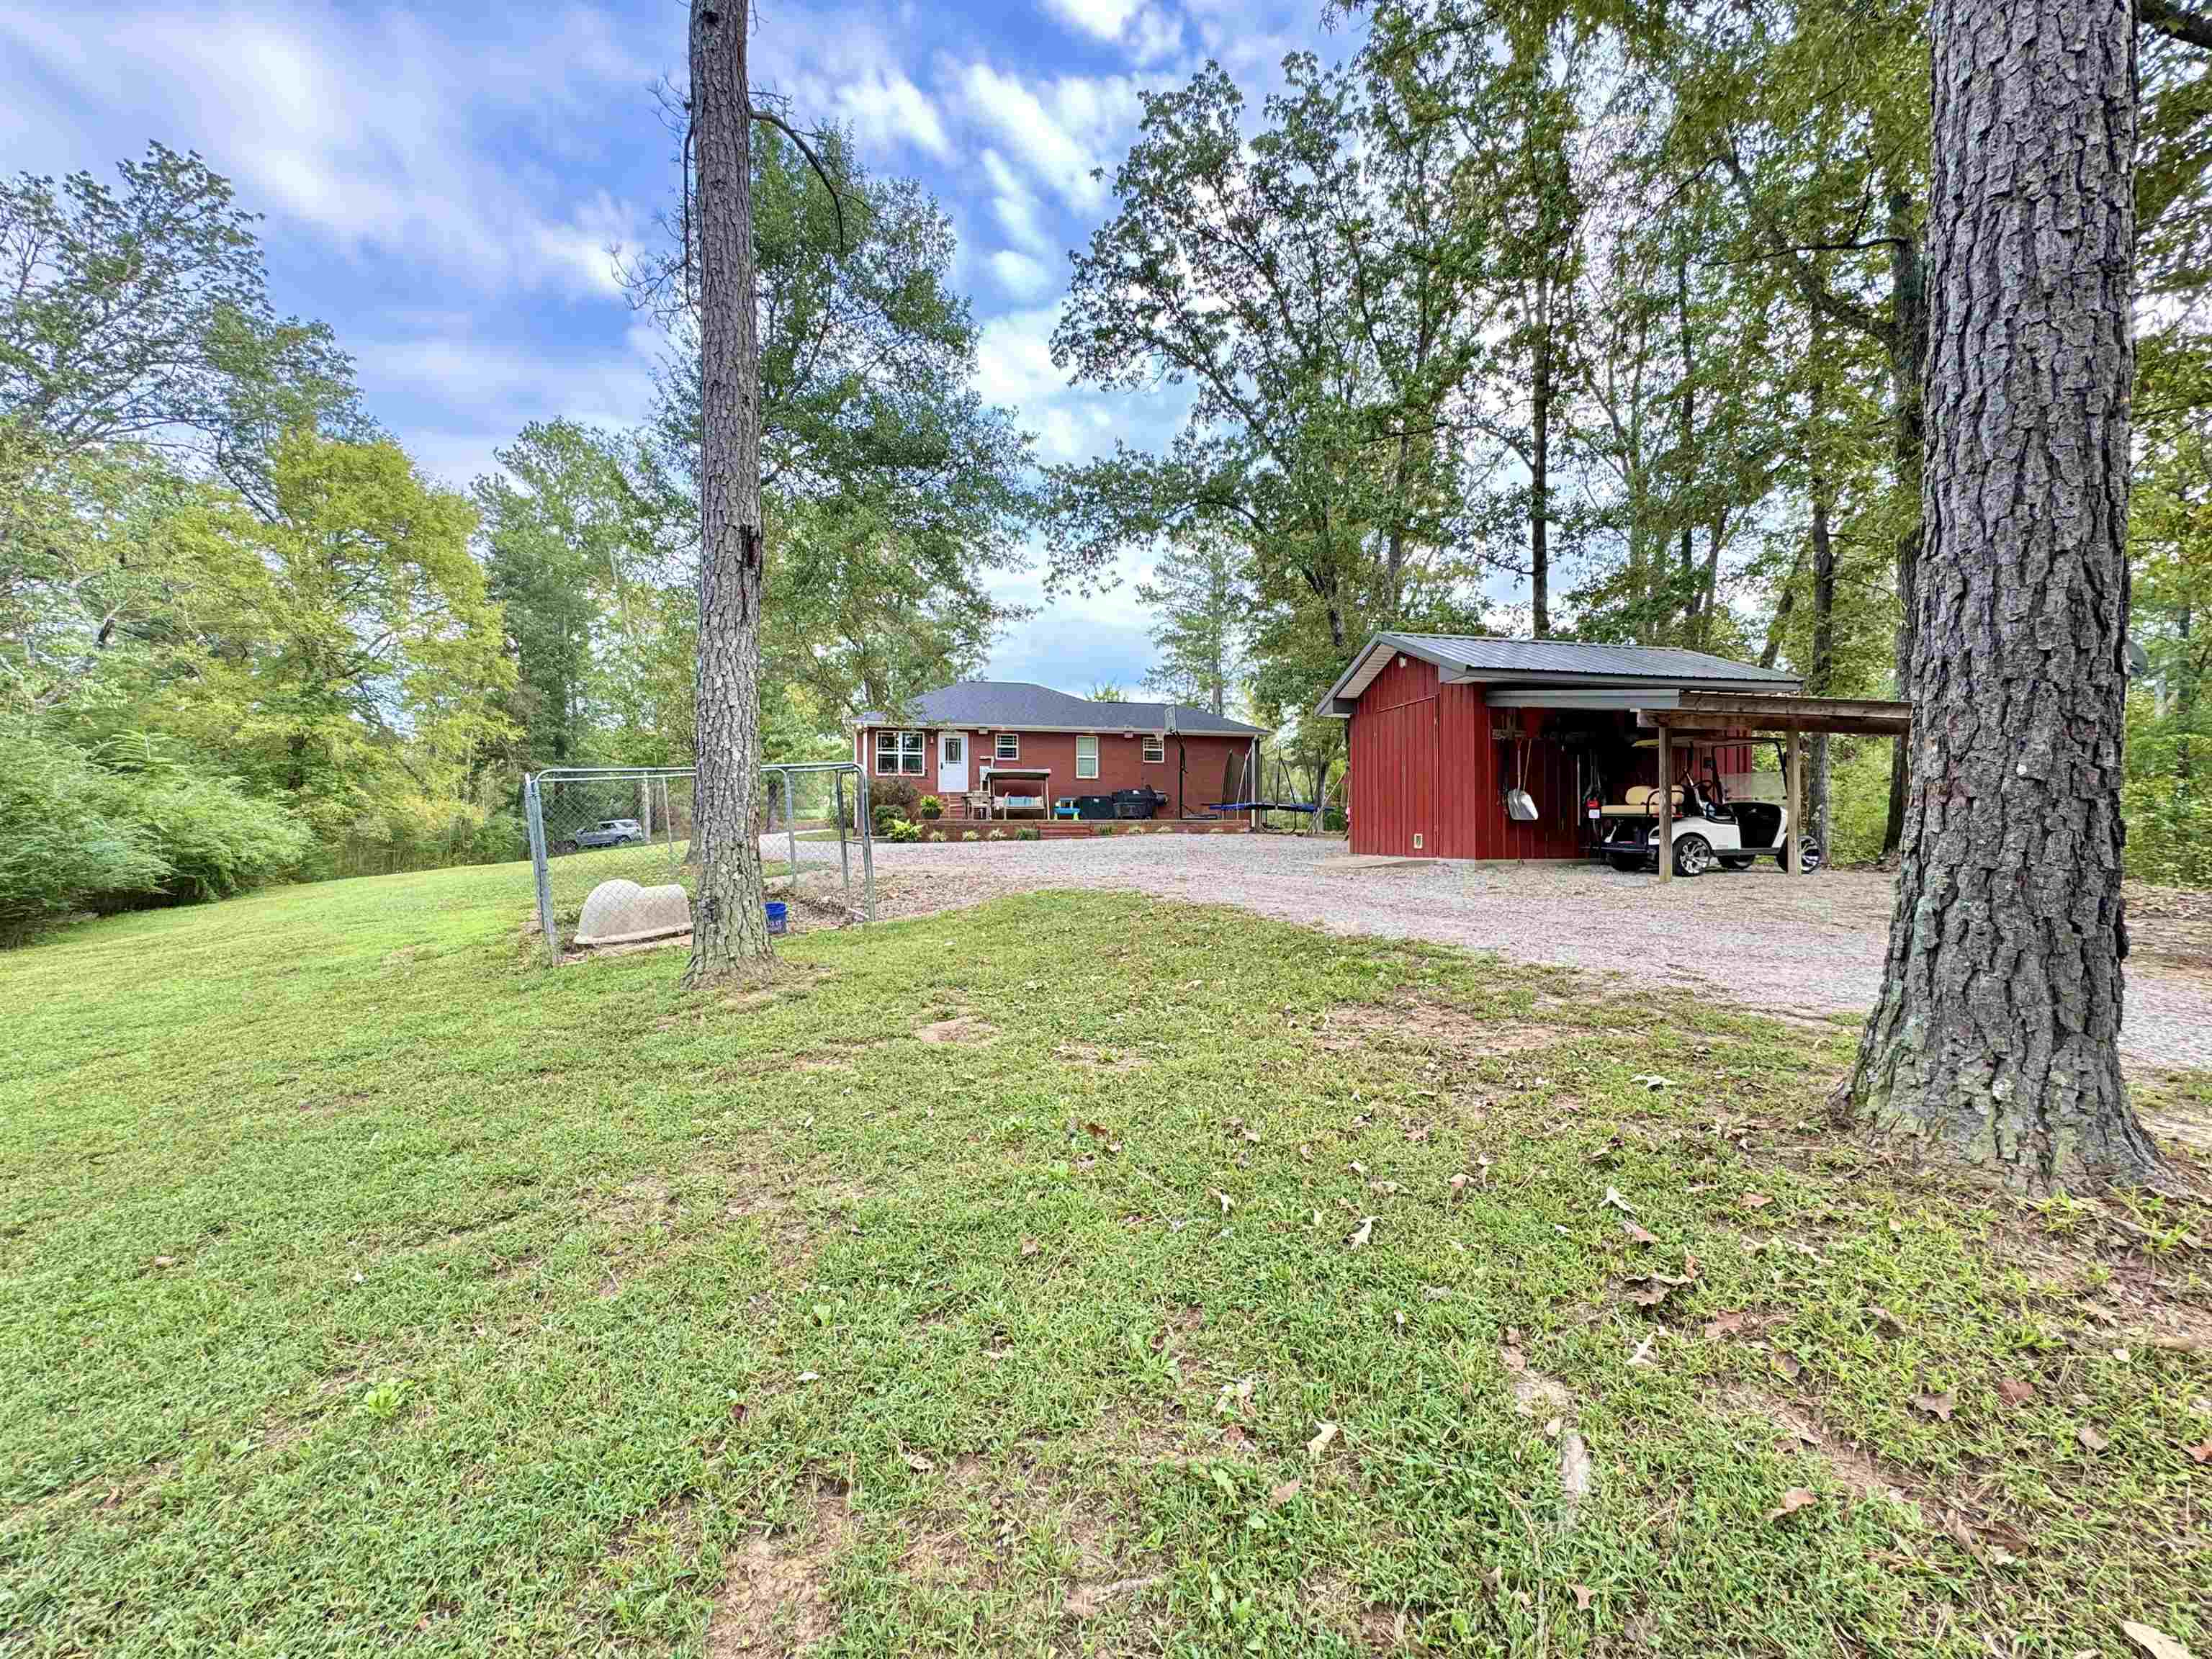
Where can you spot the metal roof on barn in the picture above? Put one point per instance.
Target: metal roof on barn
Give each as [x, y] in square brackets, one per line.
[1467, 658]
[1016, 705]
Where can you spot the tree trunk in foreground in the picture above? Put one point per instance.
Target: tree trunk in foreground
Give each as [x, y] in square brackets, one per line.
[1997, 1036]
[729, 929]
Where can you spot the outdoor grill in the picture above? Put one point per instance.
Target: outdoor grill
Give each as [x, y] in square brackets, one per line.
[1138, 802]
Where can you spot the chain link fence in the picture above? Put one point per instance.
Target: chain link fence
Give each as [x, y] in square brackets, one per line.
[611, 852]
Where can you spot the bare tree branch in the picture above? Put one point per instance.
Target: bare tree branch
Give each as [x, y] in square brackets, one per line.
[2192, 28]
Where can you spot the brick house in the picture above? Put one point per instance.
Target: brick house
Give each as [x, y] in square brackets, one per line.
[1007, 738]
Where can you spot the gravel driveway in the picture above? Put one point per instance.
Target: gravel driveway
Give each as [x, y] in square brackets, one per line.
[1813, 945]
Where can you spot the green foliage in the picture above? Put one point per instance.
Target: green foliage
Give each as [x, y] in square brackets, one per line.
[62, 849]
[213, 838]
[902, 830]
[1028, 832]
[930, 807]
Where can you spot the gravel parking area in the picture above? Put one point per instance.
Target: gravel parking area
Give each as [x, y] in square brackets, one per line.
[1814, 945]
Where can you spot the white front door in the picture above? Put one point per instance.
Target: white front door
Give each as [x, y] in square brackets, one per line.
[951, 764]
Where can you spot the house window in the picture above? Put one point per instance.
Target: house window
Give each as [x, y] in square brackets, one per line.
[1007, 745]
[1156, 750]
[1086, 757]
[898, 752]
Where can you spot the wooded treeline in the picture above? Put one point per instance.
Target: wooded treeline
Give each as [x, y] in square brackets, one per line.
[242, 637]
[1601, 321]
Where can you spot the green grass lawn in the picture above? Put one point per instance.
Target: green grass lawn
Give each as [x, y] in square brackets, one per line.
[989, 1285]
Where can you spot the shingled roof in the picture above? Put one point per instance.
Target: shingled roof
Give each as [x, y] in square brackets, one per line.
[1016, 705]
[1555, 662]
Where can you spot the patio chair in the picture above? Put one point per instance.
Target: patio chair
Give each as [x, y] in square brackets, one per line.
[979, 803]
[1065, 808]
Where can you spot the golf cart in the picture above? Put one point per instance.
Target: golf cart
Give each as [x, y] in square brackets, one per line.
[1708, 828]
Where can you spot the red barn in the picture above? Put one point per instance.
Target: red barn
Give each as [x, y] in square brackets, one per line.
[1003, 738]
[1442, 725]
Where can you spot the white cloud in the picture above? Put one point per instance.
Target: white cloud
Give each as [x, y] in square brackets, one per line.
[884, 110]
[368, 130]
[1149, 31]
[1018, 213]
[1020, 274]
[1061, 130]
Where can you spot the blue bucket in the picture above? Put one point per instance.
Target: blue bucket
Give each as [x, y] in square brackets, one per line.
[778, 912]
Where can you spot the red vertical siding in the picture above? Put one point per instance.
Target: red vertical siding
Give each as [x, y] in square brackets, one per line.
[1394, 787]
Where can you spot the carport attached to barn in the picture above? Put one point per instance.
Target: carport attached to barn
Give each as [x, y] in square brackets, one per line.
[1441, 725]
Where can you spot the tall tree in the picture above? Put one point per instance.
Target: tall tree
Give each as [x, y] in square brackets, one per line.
[729, 927]
[890, 490]
[1997, 1036]
[1201, 612]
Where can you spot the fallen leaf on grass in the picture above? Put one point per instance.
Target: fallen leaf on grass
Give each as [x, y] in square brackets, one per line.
[917, 1463]
[1788, 1366]
[1279, 1496]
[1097, 1131]
[1323, 1433]
[1613, 1199]
[2014, 1392]
[1797, 1498]
[1031, 1247]
[165, 1261]
[1513, 1359]
[2201, 1453]
[810, 1376]
[1756, 1201]
[1636, 1234]
[1653, 1081]
[1363, 1232]
[1552, 1428]
[1935, 1404]
[1583, 1596]
[1225, 1204]
[1458, 1184]
[2090, 1438]
[1885, 1321]
[2155, 1643]
[1643, 1354]
[1726, 1324]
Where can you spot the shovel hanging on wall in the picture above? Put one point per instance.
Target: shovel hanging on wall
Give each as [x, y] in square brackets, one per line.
[1519, 806]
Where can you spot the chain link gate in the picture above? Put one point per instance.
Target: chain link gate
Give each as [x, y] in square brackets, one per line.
[610, 850]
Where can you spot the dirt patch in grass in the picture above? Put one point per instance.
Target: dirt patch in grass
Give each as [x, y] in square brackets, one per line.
[963, 1029]
[1858, 1474]
[776, 1598]
[1327, 1600]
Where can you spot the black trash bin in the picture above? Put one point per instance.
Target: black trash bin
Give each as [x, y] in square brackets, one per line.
[1094, 806]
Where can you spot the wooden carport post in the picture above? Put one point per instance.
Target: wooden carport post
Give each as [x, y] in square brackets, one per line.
[1793, 769]
[1666, 803]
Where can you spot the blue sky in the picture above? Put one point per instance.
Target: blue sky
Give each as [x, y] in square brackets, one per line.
[441, 183]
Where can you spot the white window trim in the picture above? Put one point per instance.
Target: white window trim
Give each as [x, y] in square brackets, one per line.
[1093, 739]
[899, 754]
[999, 745]
[1156, 742]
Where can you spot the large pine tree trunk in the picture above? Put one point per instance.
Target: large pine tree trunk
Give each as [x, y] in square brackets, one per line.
[1821, 678]
[1908, 370]
[729, 929]
[1997, 1036]
[1539, 466]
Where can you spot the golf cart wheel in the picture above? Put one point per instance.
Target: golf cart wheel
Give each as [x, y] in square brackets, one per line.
[1735, 863]
[1625, 862]
[1694, 855]
[1809, 854]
